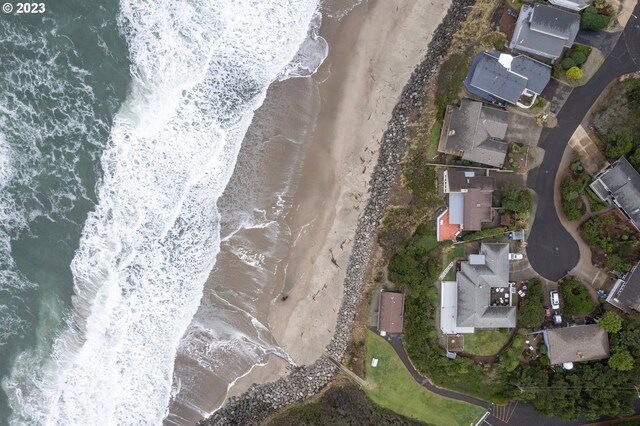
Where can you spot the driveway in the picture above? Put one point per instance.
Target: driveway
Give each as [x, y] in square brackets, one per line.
[602, 40]
[557, 94]
[552, 251]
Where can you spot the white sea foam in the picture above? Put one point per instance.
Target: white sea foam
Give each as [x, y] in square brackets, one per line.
[200, 70]
[311, 54]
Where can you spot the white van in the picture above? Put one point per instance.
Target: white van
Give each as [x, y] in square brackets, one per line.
[555, 300]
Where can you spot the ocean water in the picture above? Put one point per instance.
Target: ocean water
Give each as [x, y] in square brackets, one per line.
[120, 129]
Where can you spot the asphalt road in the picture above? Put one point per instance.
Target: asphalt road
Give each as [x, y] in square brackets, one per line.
[551, 250]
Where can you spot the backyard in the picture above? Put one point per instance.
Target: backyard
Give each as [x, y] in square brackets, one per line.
[393, 387]
[485, 342]
[577, 300]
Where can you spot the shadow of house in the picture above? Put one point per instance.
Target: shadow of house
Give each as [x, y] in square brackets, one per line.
[619, 186]
[475, 132]
[545, 31]
[518, 80]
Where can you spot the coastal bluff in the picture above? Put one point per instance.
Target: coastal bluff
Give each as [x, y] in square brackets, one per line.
[260, 401]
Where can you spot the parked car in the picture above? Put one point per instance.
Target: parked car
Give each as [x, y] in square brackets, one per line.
[555, 300]
[516, 256]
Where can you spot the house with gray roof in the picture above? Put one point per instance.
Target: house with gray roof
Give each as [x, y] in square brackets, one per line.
[625, 294]
[576, 344]
[470, 198]
[619, 185]
[481, 296]
[518, 80]
[575, 5]
[475, 133]
[544, 31]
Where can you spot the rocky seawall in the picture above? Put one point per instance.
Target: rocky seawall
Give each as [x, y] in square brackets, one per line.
[252, 407]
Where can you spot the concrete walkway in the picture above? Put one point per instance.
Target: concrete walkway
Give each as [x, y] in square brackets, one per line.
[592, 158]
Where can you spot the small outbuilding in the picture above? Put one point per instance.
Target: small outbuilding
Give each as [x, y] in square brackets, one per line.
[391, 312]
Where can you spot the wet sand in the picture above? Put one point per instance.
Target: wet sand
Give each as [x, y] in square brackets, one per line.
[372, 54]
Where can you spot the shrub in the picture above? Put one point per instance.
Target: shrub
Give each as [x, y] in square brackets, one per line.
[611, 322]
[517, 199]
[568, 63]
[618, 144]
[592, 20]
[595, 232]
[577, 300]
[621, 361]
[616, 263]
[574, 73]
[485, 233]
[634, 159]
[585, 50]
[570, 191]
[579, 58]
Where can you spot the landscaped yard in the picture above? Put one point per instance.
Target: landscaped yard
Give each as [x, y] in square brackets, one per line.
[485, 342]
[394, 388]
[577, 300]
[615, 244]
[617, 122]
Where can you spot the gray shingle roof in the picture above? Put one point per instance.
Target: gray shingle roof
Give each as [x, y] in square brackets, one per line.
[476, 131]
[493, 77]
[619, 184]
[628, 294]
[576, 344]
[545, 30]
[474, 290]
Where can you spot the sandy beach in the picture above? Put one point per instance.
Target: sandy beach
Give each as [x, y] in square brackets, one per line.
[372, 54]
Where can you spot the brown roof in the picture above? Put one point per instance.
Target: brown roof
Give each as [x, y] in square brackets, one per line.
[477, 209]
[391, 312]
[460, 181]
[575, 344]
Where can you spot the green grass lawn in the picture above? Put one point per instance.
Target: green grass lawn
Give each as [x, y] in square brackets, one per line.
[449, 255]
[485, 342]
[394, 388]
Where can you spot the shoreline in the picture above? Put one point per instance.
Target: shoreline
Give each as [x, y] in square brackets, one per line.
[260, 400]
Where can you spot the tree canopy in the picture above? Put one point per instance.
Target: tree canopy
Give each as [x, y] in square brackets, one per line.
[574, 73]
[517, 199]
[621, 361]
[611, 322]
[594, 21]
[618, 144]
